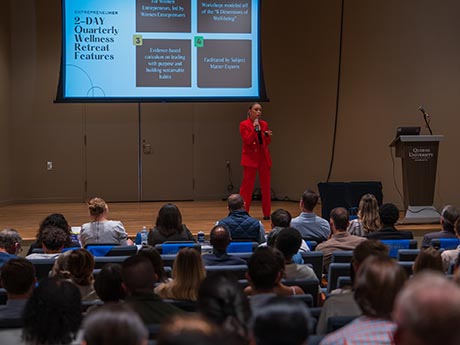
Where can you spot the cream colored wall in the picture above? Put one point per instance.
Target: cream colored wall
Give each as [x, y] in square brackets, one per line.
[396, 56]
[5, 63]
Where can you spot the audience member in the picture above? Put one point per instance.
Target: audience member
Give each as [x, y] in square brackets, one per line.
[53, 240]
[101, 230]
[108, 283]
[53, 313]
[450, 256]
[288, 242]
[340, 239]
[169, 227]
[114, 324]
[18, 279]
[222, 301]
[77, 266]
[368, 217]
[449, 216]
[427, 311]
[342, 302]
[279, 220]
[428, 259]
[378, 281]
[155, 258]
[240, 224]
[265, 271]
[308, 223]
[389, 215]
[190, 330]
[281, 322]
[188, 273]
[220, 240]
[10, 245]
[58, 220]
[138, 281]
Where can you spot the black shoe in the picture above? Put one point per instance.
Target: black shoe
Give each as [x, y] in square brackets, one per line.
[266, 218]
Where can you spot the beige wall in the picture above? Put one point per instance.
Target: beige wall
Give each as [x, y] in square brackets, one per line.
[5, 63]
[397, 55]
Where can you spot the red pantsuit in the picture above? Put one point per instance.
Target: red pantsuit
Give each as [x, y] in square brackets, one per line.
[255, 157]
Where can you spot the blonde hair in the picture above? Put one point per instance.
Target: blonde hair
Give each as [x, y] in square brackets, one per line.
[368, 213]
[188, 273]
[76, 265]
[97, 206]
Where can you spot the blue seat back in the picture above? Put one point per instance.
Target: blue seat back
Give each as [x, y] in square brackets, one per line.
[395, 245]
[445, 243]
[242, 247]
[173, 248]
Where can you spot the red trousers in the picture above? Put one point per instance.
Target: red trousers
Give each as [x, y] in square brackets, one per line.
[247, 185]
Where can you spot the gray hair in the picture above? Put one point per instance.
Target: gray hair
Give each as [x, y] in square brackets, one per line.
[9, 237]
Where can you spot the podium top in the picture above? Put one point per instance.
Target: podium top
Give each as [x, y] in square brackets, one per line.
[417, 138]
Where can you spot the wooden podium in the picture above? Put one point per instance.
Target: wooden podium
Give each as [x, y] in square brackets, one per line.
[419, 158]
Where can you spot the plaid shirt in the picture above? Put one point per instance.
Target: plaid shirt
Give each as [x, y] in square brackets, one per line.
[363, 331]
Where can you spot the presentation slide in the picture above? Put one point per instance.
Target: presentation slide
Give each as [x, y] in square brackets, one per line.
[160, 50]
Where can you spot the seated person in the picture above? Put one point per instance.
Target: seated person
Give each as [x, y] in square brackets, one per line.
[428, 259]
[220, 240]
[139, 277]
[450, 256]
[240, 224]
[308, 223]
[279, 220]
[169, 227]
[188, 273]
[55, 219]
[101, 230]
[53, 240]
[340, 239]
[77, 266]
[449, 216]
[114, 324]
[341, 302]
[389, 215]
[10, 245]
[155, 258]
[265, 271]
[108, 284]
[18, 279]
[288, 242]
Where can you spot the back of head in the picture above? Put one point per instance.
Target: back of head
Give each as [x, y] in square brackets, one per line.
[428, 259]
[220, 238]
[339, 217]
[18, 276]
[427, 311]
[368, 248]
[80, 264]
[138, 274]
[9, 240]
[264, 269]
[189, 330]
[389, 214]
[281, 218]
[449, 217]
[309, 200]
[97, 206]
[288, 242]
[378, 281]
[169, 220]
[108, 283]
[281, 322]
[222, 301]
[155, 258]
[368, 213]
[188, 273]
[235, 202]
[53, 313]
[114, 324]
[53, 237]
[54, 219]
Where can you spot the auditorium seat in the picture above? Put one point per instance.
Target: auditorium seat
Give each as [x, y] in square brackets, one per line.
[337, 270]
[315, 259]
[395, 245]
[42, 267]
[342, 256]
[174, 247]
[407, 254]
[242, 247]
[111, 250]
[309, 286]
[239, 271]
[100, 261]
[445, 243]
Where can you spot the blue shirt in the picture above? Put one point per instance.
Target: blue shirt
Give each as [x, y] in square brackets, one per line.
[310, 225]
[5, 257]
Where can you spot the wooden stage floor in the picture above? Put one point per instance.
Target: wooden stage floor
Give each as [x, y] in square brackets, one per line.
[197, 215]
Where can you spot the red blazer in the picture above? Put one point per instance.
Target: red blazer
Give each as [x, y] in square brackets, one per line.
[250, 155]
